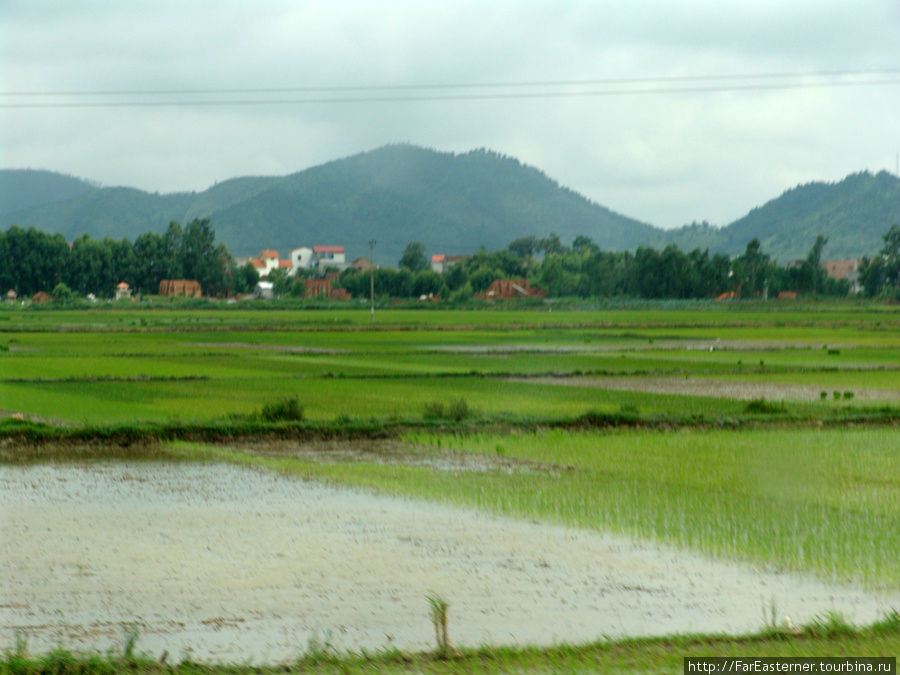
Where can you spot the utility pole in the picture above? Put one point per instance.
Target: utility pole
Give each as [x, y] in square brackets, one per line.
[372, 278]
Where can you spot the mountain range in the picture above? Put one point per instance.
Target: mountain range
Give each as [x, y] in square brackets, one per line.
[453, 203]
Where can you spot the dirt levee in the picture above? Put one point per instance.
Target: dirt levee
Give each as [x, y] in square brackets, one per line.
[230, 564]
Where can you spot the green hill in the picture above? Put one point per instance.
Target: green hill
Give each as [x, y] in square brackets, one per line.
[22, 189]
[454, 203]
[853, 214]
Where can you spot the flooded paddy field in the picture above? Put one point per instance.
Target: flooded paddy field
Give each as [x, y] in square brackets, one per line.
[225, 563]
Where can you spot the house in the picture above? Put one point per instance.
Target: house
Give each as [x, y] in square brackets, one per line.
[843, 269]
[362, 265]
[41, 297]
[302, 258]
[509, 289]
[269, 258]
[123, 290]
[440, 262]
[264, 290]
[180, 287]
[330, 256]
[787, 295]
[11, 295]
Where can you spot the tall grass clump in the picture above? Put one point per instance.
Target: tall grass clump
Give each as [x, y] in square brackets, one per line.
[456, 410]
[283, 410]
[760, 406]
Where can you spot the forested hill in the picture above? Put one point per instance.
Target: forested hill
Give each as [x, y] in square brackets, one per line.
[453, 203]
[27, 188]
[854, 214]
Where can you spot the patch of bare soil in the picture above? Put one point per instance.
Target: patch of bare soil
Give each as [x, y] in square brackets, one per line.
[708, 387]
[226, 563]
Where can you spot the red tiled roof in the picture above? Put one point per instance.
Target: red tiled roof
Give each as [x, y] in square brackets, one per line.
[328, 249]
[257, 263]
[284, 264]
[268, 253]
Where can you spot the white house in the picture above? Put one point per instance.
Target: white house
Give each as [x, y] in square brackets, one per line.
[269, 258]
[302, 258]
[440, 262]
[122, 290]
[330, 256]
[264, 290]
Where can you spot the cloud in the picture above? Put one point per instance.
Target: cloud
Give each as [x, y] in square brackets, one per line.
[666, 158]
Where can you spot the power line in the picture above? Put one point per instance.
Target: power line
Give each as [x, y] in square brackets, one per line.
[469, 85]
[458, 92]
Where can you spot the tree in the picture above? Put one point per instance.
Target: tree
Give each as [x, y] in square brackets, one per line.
[62, 293]
[753, 270]
[413, 258]
[524, 247]
[551, 244]
[245, 278]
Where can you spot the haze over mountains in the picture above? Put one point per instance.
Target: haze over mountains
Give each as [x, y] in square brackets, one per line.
[453, 203]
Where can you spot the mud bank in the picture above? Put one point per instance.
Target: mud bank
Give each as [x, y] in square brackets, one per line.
[230, 564]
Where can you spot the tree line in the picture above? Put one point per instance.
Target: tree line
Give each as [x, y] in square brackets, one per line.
[32, 261]
[584, 270]
[880, 275]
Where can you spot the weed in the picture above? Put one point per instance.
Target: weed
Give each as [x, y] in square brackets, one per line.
[321, 650]
[433, 410]
[836, 395]
[830, 624]
[888, 625]
[760, 406]
[439, 618]
[823, 395]
[770, 616]
[458, 410]
[283, 410]
[131, 637]
[848, 395]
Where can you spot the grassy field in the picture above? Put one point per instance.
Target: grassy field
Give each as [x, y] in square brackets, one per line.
[805, 500]
[113, 366]
[804, 480]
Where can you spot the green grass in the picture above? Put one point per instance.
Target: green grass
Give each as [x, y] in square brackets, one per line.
[657, 655]
[806, 500]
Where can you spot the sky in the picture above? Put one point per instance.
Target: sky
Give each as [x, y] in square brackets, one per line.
[668, 112]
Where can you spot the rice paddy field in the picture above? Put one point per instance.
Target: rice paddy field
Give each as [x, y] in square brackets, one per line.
[764, 436]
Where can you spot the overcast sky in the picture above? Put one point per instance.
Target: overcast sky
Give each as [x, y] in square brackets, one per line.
[300, 83]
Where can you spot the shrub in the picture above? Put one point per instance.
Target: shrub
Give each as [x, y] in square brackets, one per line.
[763, 407]
[458, 410]
[823, 395]
[286, 409]
[848, 395]
[433, 410]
